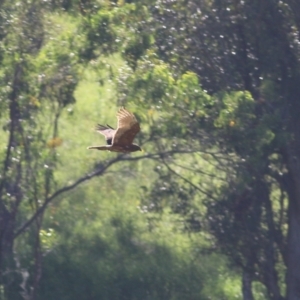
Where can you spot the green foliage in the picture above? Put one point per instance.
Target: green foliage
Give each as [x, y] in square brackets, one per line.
[102, 241]
[249, 114]
[239, 125]
[100, 32]
[35, 88]
[126, 271]
[215, 93]
[116, 252]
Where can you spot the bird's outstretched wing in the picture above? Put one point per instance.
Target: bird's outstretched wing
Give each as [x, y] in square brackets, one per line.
[128, 127]
[107, 131]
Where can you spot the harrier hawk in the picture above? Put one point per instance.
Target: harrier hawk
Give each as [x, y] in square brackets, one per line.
[120, 139]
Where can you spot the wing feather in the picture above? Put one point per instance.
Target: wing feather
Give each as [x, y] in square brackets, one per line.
[107, 131]
[128, 127]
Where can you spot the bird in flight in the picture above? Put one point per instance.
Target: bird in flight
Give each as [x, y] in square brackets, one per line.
[120, 139]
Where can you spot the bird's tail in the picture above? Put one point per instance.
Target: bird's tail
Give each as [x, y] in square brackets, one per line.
[97, 147]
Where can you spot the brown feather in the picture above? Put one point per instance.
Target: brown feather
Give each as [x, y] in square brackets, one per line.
[128, 127]
[120, 140]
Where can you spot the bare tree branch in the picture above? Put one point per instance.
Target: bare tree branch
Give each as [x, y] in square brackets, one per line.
[100, 170]
[198, 170]
[189, 182]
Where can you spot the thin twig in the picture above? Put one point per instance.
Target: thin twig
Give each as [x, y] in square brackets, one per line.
[198, 171]
[189, 182]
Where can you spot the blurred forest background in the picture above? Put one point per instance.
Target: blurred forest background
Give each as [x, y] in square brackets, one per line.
[210, 209]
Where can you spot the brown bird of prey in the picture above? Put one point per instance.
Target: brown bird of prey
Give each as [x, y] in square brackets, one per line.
[120, 139]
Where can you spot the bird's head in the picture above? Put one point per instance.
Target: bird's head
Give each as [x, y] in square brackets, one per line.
[135, 147]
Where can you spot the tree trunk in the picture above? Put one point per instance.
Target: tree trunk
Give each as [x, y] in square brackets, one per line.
[293, 257]
[269, 269]
[293, 247]
[247, 286]
[293, 240]
[7, 263]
